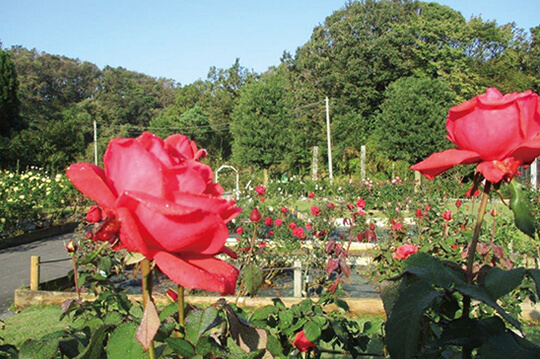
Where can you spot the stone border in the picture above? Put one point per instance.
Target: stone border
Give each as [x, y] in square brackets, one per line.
[358, 306]
[38, 235]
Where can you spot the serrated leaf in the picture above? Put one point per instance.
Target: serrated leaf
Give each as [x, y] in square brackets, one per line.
[253, 279]
[274, 346]
[481, 294]
[312, 331]
[499, 282]
[168, 311]
[181, 347]
[38, 349]
[404, 324]
[285, 319]
[278, 303]
[432, 270]
[149, 325]
[523, 218]
[123, 343]
[199, 321]
[263, 313]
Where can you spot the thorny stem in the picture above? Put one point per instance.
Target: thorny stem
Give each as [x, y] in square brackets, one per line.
[146, 274]
[470, 259]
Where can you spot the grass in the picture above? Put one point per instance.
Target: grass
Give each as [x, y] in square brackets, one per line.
[32, 322]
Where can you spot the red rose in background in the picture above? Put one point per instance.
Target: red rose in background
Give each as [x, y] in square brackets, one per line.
[498, 132]
[239, 230]
[278, 222]
[315, 210]
[268, 221]
[260, 190]
[298, 232]
[302, 343]
[157, 200]
[404, 251]
[311, 195]
[447, 215]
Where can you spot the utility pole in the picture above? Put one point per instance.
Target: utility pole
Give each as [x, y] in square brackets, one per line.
[95, 144]
[328, 139]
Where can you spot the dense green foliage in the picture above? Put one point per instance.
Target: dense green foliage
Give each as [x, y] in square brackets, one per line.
[366, 57]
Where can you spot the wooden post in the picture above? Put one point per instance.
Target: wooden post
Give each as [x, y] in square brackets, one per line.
[417, 181]
[34, 273]
[315, 163]
[297, 279]
[362, 163]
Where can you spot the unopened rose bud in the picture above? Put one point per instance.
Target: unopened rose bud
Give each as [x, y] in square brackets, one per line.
[172, 295]
[255, 216]
[94, 214]
[71, 247]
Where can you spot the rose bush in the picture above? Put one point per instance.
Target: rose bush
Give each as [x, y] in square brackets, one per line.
[499, 132]
[158, 200]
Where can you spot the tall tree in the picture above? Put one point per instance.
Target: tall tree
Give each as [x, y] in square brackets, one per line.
[261, 122]
[9, 102]
[413, 118]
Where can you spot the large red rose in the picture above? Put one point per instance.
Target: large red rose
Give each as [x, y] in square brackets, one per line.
[499, 132]
[158, 200]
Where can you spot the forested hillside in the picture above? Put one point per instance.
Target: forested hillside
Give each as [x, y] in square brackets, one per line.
[390, 68]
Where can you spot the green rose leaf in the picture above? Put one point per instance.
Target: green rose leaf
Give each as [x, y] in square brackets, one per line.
[181, 347]
[312, 331]
[499, 282]
[199, 321]
[123, 344]
[253, 279]
[404, 324]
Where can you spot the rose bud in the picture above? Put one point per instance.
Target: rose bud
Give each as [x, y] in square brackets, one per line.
[255, 216]
[94, 214]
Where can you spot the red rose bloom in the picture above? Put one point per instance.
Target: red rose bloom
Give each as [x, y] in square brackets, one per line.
[268, 221]
[279, 222]
[311, 195]
[292, 225]
[260, 190]
[298, 232]
[498, 132]
[361, 203]
[302, 343]
[315, 210]
[419, 213]
[458, 203]
[160, 202]
[404, 251]
[447, 215]
[239, 230]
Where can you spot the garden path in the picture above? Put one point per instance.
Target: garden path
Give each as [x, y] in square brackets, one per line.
[15, 265]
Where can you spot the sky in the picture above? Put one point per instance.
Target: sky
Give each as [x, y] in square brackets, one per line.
[181, 40]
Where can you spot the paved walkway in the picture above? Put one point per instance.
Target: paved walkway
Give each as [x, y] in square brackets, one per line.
[15, 265]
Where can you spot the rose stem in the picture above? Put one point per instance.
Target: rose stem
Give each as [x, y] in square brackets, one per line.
[252, 243]
[76, 277]
[181, 310]
[146, 274]
[470, 258]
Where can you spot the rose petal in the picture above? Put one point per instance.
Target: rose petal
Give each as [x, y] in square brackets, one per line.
[174, 230]
[156, 146]
[129, 233]
[206, 273]
[91, 180]
[129, 167]
[226, 209]
[443, 161]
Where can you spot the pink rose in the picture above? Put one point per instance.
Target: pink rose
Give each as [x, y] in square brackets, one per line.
[498, 132]
[160, 202]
